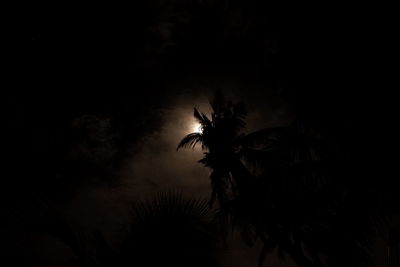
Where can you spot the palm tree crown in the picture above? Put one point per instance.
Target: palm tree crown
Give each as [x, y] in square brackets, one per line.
[220, 138]
[283, 185]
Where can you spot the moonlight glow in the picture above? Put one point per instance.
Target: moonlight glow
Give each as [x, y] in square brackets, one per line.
[196, 127]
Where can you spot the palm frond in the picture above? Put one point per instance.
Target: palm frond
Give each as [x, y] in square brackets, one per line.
[257, 156]
[202, 118]
[177, 229]
[168, 205]
[198, 116]
[207, 122]
[262, 136]
[190, 140]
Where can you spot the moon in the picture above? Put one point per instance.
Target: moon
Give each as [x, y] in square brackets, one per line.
[196, 127]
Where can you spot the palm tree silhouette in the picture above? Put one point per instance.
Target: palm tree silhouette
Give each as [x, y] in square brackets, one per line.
[171, 230]
[284, 186]
[280, 208]
[221, 139]
[304, 203]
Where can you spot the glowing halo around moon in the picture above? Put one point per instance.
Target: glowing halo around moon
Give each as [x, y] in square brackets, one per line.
[196, 127]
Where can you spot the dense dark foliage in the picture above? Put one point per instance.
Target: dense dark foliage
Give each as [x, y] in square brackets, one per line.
[170, 230]
[288, 187]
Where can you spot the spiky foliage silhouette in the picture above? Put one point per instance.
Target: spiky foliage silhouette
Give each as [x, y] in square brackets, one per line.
[303, 202]
[171, 230]
[220, 137]
[311, 205]
[285, 186]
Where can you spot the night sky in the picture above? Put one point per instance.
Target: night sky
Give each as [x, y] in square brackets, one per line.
[100, 96]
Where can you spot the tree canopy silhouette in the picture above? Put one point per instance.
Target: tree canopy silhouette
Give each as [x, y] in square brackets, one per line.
[171, 230]
[287, 187]
[221, 137]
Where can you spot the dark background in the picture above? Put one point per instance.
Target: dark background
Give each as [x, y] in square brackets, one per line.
[130, 63]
